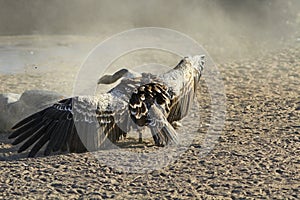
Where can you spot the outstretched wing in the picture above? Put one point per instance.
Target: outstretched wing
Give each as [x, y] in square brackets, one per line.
[183, 81]
[182, 100]
[73, 124]
[53, 124]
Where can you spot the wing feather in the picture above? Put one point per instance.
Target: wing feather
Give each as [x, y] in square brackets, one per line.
[26, 121]
[34, 138]
[57, 126]
[62, 144]
[39, 144]
[27, 133]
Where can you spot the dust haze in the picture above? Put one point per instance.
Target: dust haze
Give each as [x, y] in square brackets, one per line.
[226, 28]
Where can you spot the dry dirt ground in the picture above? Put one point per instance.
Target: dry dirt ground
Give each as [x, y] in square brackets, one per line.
[257, 154]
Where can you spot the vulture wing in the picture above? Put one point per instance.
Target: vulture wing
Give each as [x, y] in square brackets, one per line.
[73, 124]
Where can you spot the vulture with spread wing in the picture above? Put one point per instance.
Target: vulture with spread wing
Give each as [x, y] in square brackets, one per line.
[84, 123]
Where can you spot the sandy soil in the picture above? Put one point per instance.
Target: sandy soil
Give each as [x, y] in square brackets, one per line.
[257, 154]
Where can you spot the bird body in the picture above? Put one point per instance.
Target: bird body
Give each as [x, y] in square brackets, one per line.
[89, 123]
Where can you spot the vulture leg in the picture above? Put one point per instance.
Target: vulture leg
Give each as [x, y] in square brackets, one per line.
[140, 137]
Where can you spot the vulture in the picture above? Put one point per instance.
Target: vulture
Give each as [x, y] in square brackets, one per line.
[90, 123]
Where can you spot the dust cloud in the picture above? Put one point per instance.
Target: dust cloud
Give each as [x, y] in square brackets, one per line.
[226, 28]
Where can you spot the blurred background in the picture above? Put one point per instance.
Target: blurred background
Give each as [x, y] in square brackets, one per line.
[224, 26]
[37, 37]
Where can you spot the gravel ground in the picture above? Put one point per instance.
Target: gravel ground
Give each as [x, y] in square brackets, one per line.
[257, 154]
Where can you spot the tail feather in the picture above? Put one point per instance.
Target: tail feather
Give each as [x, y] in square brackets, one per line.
[162, 131]
[165, 135]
